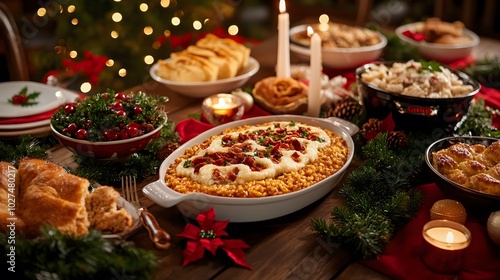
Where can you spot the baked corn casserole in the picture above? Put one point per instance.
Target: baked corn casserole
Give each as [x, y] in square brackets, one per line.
[259, 160]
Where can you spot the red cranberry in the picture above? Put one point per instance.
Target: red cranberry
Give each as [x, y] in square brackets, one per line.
[120, 96]
[117, 105]
[123, 134]
[121, 113]
[72, 128]
[69, 108]
[81, 133]
[137, 110]
[110, 135]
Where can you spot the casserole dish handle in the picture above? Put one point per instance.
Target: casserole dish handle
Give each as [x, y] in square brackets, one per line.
[349, 127]
[164, 196]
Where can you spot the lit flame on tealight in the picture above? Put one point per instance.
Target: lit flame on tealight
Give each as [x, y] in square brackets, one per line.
[282, 6]
[449, 237]
[310, 31]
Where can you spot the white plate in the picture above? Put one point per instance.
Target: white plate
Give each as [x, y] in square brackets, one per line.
[68, 96]
[50, 98]
[204, 89]
[250, 209]
[37, 131]
[20, 126]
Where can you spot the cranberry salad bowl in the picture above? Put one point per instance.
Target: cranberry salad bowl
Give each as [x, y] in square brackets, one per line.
[109, 125]
[256, 197]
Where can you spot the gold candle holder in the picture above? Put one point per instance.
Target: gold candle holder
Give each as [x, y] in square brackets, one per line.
[444, 244]
[222, 108]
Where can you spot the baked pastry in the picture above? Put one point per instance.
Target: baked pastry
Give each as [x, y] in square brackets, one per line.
[49, 195]
[211, 58]
[103, 211]
[473, 166]
[45, 194]
[280, 91]
[437, 31]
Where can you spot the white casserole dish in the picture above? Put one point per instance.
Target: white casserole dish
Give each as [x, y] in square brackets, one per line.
[250, 209]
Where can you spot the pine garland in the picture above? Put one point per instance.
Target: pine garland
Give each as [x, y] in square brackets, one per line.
[379, 198]
[55, 255]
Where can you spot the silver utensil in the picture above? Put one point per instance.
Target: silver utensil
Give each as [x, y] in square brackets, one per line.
[158, 235]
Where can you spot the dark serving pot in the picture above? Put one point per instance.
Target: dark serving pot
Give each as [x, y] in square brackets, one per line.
[467, 196]
[415, 112]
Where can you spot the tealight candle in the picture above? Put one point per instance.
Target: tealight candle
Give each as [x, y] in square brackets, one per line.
[316, 71]
[283, 57]
[444, 244]
[222, 108]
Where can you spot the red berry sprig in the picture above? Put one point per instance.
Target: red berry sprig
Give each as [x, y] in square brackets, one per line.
[23, 98]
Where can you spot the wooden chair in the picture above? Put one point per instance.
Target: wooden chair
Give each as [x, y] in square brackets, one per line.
[14, 50]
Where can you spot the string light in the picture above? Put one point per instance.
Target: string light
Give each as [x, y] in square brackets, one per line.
[110, 62]
[74, 21]
[197, 25]
[149, 59]
[165, 3]
[41, 12]
[85, 87]
[73, 54]
[117, 17]
[143, 7]
[122, 72]
[148, 30]
[175, 21]
[71, 8]
[114, 34]
[233, 30]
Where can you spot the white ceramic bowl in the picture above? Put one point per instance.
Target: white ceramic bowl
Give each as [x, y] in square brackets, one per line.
[250, 209]
[438, 52]
[340, 58]
[204, 89]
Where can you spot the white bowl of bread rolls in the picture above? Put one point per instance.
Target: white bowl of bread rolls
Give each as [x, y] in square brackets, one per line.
[443, 41]
[212, 65]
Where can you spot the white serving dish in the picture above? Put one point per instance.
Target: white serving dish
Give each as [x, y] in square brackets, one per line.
[250, 209]
[438, 52]
[204, 89]
[340, 58]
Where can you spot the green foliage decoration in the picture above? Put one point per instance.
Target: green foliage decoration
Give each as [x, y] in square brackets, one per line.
[55, 255]
[379, 198]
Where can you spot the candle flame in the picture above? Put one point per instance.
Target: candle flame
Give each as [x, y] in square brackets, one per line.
[282, 6]
[310, 31]
[449, 237]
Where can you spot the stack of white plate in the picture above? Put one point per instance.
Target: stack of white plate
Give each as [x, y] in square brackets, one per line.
[17, 120]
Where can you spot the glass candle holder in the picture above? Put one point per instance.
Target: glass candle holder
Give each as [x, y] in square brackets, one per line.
[444, 244]
[222, 108]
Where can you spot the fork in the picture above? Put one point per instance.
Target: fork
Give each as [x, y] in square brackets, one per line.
[159, 236]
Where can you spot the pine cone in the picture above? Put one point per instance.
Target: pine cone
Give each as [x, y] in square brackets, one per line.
[346, 108]
[396, 140]
[372, 124]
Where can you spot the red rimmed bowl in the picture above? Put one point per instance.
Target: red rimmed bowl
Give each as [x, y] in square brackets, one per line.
[107, 150]
[238, 209]
[467, 196]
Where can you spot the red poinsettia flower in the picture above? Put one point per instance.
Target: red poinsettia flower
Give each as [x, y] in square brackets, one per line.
[91, 66]
[208, 236]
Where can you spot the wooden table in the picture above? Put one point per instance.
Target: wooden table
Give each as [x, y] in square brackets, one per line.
[281, 248]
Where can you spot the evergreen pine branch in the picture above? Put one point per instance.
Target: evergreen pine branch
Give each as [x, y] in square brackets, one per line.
[26, 146]
[55, 255]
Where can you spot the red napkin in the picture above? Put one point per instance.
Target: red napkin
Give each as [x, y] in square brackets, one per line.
[190, 128]
[27, 119]
[401, 257]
